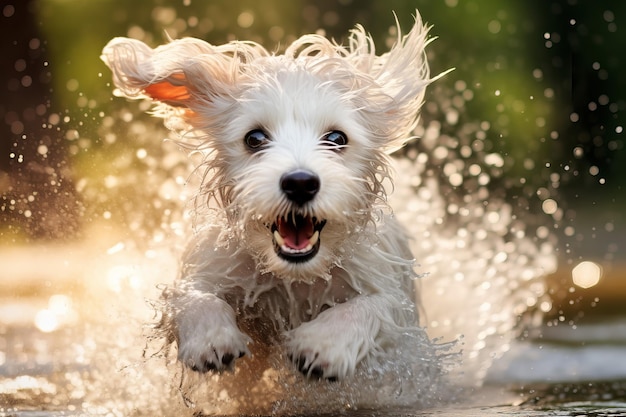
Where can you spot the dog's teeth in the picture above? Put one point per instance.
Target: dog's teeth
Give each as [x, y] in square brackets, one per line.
[278, 238]
[280, 242]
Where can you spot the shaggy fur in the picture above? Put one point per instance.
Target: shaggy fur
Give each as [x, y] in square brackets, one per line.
[294, 144]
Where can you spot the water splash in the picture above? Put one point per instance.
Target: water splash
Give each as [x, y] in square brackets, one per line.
[483, 265]
[485, 252]
[483, 259]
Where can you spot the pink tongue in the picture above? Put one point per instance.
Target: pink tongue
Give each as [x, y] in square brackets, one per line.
[295, 236]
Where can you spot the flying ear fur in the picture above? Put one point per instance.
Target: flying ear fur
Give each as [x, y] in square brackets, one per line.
[388, 88]
[179, 72]
[160, 74]
[191, 73]
[402, 75]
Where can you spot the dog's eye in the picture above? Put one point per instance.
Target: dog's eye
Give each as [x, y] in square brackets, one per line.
[255, 139]
[336, 138]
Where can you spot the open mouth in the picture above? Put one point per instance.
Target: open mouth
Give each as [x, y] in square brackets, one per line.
[297, 237]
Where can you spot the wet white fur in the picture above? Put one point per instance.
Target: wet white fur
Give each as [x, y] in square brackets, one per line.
[350, 301]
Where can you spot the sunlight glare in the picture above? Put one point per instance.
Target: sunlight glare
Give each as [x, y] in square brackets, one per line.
[586, 274]
[60, 312]
[46, 320]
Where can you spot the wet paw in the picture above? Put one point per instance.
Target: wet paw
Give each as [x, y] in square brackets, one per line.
[333, 344]
[207, 335]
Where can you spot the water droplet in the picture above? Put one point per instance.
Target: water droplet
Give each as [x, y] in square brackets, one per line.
[34, 43]
[71, 85]
[549, 206]
[245, 19]
[494, 27]
[494, 159]
[17, 127]
[8, 10]
[586, 274]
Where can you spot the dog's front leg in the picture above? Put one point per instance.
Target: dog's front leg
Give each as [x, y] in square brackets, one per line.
[207, 333]
[331, 345]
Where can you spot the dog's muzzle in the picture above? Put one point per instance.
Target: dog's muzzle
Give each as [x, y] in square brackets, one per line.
[297, 237]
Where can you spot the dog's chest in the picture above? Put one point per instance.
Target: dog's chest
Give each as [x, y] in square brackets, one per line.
[290, 304]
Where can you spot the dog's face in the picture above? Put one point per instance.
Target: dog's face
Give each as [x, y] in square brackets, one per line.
[296, 144]
[304, 171]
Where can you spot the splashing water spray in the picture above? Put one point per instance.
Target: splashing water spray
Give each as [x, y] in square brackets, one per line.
[481, 261]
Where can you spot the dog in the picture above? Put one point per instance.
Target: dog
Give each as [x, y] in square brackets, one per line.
[298, 249]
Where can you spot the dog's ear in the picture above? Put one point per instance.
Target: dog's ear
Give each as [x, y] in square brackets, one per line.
[401, 77]
[162, 73]
[172, 91]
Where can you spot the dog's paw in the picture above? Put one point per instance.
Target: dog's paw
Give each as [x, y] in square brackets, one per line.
[331, 346]
[213, 351]
[208, 336]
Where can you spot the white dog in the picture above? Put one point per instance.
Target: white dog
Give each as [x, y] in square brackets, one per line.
[300, 250]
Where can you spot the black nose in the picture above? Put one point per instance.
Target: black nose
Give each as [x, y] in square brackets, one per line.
[300, 186]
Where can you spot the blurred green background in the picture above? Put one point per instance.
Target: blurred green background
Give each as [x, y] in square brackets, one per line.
[541, 79]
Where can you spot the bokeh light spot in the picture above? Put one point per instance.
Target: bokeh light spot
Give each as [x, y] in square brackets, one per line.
[586, 274]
